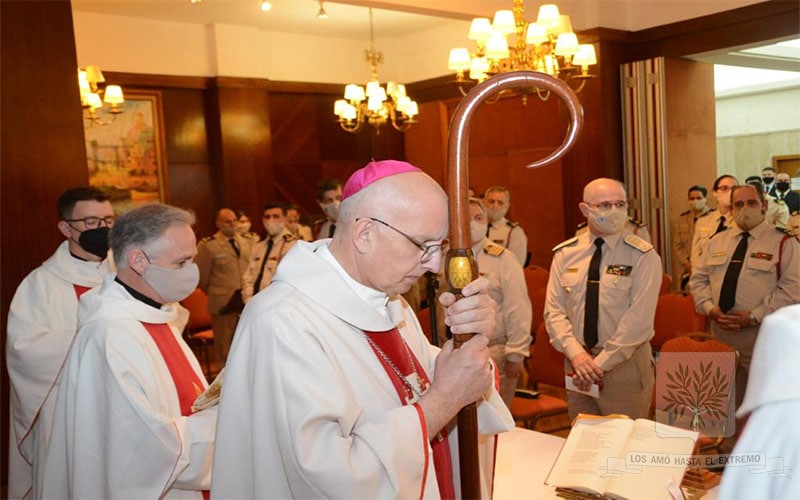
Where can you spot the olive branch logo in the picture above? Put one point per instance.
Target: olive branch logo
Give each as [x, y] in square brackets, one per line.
[697, 392]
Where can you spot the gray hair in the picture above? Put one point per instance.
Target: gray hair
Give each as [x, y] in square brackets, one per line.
[143, 227]
[498, 189]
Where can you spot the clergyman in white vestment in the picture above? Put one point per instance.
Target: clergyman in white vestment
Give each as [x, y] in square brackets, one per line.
[331, 388]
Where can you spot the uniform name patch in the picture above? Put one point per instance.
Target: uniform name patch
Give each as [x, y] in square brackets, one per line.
[761, 255]
[571, 270]
[718, 254]
[619, 270]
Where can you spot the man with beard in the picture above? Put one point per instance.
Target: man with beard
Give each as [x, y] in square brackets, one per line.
[502, 231]
[42, 321]
[745, 272]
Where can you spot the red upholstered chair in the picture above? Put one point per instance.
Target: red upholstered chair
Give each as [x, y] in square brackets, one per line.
[675, 316]
[537, 307]
[666, 282]
[546, 366]
[536, 277]
[198, 333]
[695, 387]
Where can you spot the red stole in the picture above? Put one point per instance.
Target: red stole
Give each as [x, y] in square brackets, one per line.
[187, 383]
[395, 348]
[80, 290]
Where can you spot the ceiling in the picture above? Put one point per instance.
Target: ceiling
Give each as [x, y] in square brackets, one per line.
[348, 19]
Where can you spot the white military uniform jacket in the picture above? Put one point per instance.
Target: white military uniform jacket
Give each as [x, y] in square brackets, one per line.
[117, 429]
[769, 279]
[307, 410]
[281, 244]
[507, 288]
[773, 403]
[630, 278]
[42, 321]
[705, 229]
[685, 234]
[510, 235]
[221, 271]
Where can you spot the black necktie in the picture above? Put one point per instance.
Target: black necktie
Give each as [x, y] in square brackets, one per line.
[232, 241]
[592, 296]
[727, 294]
[331, 229]
[257, 284]
[721, 226]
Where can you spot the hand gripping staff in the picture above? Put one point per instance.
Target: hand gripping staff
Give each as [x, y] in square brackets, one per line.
[460, 266]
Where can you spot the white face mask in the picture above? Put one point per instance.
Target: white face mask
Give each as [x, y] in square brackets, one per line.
[243, 228]
[477, 231]
[723, 198]
[332, 209]
[697, 205]
[172, 285]
[748, 217]
[495, 214]
[607, 222]
[273, 227]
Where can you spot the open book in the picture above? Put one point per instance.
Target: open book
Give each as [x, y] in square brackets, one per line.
[616, 457]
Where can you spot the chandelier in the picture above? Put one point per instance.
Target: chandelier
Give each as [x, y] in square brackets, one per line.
[89, 81]
[376, 105]
[547, 45]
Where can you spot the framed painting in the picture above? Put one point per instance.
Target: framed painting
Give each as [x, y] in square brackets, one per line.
[126, 153]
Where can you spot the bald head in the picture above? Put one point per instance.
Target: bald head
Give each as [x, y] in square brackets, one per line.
[226, 222]
[602, 188]
[379, 256]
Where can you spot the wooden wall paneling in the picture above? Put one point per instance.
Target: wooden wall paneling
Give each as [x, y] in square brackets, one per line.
[187, 155]
[41, 146]
[240, 147]
[426, 142]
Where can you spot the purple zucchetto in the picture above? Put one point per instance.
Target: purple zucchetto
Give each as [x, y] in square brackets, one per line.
[375, 171]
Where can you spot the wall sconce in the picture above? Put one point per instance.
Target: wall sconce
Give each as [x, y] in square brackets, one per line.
[89, 81]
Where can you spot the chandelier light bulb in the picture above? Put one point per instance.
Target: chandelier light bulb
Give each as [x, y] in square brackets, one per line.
[266, 6]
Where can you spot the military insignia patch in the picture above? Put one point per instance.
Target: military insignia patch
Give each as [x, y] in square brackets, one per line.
[761, 255]
[619, 270]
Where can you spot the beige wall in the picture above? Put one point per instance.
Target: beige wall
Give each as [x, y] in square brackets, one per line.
[745, 155]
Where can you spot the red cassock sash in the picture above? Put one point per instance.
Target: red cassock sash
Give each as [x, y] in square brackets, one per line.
[187, 383]
[393, 345]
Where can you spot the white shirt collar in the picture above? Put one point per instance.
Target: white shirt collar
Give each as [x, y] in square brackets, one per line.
[376, 299]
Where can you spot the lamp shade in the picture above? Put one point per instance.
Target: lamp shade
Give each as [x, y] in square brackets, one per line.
[566, 44]
[480, 29]
[353, 92]
[479, 68]
[339, 107]
[548, 16]
[113, 95]
[94, 75]
[497, 47]
[412, 109]
[504, 22]
[94, 100]
[459, 59]
[374, 103]
[564, 25]
[585, 55]
[349, 112]
[536, 34]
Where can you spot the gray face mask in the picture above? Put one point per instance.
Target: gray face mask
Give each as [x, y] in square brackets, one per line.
[172, 285]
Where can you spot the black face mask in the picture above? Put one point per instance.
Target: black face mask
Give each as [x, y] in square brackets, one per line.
[95, 241]
[768, 180]
[782, 186]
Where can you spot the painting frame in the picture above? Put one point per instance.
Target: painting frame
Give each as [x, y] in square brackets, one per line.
[126, 152]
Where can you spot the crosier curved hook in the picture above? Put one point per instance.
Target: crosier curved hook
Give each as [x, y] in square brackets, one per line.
[460, 266]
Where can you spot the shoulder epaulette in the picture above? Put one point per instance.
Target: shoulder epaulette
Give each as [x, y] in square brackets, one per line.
[494, 249]
[796, 212]
[567, 243]
[638, 243]
[512, 223]
[206, 239]
[685, 213]
[289, 237]
[581, 225]
[637, 222]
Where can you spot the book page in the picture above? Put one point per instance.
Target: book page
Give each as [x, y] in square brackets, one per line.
[582, 463]
[655, 456]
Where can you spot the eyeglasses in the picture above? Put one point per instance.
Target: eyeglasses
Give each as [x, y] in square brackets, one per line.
[724, 188]
[607, 205]
[94, 222]
[428, 251]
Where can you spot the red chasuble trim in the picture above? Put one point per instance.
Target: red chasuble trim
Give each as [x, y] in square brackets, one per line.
[424, 425]
[392, 345]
